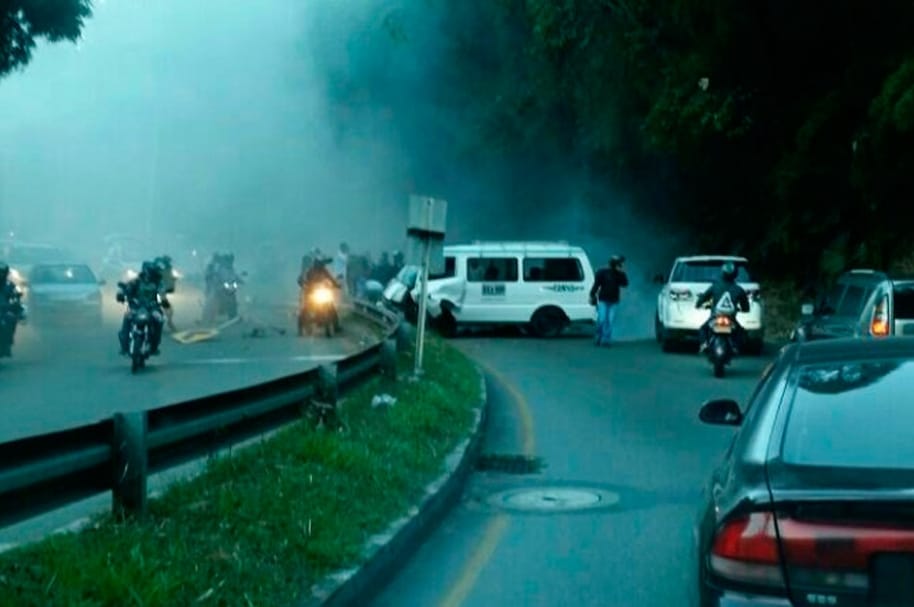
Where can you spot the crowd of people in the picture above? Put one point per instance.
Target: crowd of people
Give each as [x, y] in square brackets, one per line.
[353, 272]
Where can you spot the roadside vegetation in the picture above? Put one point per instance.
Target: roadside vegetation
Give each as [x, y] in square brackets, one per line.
[261, 526]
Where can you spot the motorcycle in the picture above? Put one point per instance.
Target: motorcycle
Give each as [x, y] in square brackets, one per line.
[139, 330]
[224, 300]
[721, 346]
[138, 346]
[317, 308]
[12, 314]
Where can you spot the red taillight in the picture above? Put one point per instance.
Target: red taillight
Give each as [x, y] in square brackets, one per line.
[879, 326]
[746, 550]
[816, 555]
[722, 321]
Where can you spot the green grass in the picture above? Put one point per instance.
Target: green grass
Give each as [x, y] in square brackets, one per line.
[263, 525]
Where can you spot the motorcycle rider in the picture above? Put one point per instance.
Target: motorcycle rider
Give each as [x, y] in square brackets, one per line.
[144, 291]
[317, 274]
[726, 297]
[169, 283]
[11, 309]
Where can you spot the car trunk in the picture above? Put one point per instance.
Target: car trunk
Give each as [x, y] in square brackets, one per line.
[846, 534]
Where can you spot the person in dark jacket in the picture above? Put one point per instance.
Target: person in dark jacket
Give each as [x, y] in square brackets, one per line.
[725, 297]
[11, 311]
[605, 295]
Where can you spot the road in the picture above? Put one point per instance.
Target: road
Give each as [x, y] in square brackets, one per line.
[620, 420]
[65, 376]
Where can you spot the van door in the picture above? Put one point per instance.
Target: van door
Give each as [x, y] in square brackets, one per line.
[556, 281]
[492, 283]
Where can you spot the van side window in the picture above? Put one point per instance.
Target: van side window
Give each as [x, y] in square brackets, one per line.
[553, 269]
[492, 269]
[450, 270]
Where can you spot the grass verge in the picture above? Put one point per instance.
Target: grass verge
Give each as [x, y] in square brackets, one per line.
[258, 528]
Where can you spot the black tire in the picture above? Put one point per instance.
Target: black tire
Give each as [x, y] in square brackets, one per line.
[718, 369]
[658, 329]
[232, 307]
[548, 322]
[447, 324]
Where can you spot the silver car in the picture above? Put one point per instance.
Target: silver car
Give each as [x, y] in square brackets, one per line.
[64, 293]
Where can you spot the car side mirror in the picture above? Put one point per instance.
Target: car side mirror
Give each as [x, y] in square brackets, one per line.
[721, 412]
[659, 279]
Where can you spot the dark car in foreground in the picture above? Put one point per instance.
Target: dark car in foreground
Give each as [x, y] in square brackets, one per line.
[813, 503]
[64, 293]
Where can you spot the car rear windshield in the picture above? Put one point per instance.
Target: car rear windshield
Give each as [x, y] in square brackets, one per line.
[62, 275]
[708, 271]
[852, 414]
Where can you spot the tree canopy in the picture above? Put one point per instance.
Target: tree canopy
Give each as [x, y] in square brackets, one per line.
[778, 129]
[23, 22]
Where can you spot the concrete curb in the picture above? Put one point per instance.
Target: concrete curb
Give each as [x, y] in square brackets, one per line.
[387, 551]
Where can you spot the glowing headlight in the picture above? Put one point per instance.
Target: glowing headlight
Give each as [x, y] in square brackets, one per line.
[322, 295]
[15, 275]
[176, 274]
[131, 274]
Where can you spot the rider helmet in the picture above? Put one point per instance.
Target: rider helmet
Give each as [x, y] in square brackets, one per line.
[151, 271]
[728, 272]
[616, 260]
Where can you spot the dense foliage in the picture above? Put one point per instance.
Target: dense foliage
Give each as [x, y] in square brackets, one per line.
[780, 129]
[22, 22]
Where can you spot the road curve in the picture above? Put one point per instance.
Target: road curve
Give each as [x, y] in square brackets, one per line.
[62, 377]
[621, 420]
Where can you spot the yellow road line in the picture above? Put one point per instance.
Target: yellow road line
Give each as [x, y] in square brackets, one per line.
[498, 525]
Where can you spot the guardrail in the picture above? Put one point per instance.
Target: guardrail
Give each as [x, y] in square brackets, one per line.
[42, 473]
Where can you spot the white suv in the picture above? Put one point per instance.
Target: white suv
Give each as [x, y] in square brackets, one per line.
[677, 318]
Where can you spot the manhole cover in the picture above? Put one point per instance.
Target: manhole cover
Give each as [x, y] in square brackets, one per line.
[511, 464]
[554, 499]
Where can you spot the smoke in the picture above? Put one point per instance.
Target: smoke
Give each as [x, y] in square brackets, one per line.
[283, 124]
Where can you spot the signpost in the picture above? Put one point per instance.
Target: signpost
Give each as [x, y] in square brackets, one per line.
[425, 230]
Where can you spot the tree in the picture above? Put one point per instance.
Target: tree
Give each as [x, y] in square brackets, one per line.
[22, 22]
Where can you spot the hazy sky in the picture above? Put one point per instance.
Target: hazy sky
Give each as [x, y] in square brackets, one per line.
[189, 116]
[212, 119]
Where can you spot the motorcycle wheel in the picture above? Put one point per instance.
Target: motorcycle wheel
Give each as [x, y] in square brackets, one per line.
[718, 369]
[232, 308]
[137, 361]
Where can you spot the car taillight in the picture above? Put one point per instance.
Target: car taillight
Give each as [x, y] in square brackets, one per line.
[746, 551]
[818, 556]
[879, 325]
[680, 294]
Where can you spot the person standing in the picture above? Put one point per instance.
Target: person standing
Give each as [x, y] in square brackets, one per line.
[605, 295]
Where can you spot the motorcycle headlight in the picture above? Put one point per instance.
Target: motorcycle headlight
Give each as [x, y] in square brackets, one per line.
[15, 275]
[322, 295]
[130, 274]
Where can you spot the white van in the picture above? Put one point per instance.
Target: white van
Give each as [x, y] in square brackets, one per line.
[542, 285]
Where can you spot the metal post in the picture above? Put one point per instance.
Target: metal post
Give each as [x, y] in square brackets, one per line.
[328, 388]
[423, 307]
[389, 358]
[130, 464]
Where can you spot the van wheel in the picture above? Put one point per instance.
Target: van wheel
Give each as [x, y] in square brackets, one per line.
[548, 322]
[447, 324]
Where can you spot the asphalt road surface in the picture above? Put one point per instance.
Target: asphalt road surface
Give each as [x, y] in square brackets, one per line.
[620, 423]
[64, 376]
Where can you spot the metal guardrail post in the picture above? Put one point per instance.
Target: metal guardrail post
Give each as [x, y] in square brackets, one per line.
[130, 464]
[389, 358]
[328, 386]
